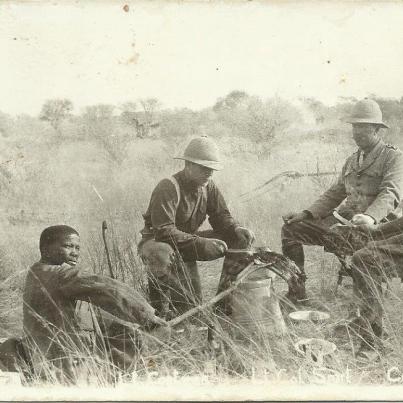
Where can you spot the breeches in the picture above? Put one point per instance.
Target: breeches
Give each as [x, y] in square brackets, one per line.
[317, 232]
[378, 260]
[170, 278]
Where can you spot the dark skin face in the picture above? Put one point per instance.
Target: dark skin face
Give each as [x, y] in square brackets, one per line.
[66, 249]
[198, 174]
[365, 136]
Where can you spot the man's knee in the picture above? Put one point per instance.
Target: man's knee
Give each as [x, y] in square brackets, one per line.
[157, 256]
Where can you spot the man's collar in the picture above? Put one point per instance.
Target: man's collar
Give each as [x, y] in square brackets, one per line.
[372, 155]
[376, 146]
[185, 181]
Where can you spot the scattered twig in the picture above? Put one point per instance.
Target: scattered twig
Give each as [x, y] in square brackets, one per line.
[289, 174]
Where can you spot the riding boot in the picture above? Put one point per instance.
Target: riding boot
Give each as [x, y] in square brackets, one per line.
[296, 289]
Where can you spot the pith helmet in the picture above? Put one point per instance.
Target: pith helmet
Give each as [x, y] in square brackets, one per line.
[203, 151]
[367, 111]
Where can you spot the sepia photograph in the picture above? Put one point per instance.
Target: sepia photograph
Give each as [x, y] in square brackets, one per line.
[201, 200]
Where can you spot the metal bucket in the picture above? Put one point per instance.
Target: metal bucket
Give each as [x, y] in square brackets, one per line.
[255, 307]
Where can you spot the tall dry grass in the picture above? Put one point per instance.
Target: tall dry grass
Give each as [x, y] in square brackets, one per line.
[73, 184]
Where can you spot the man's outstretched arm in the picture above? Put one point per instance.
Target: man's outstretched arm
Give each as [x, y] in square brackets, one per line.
[111, 295]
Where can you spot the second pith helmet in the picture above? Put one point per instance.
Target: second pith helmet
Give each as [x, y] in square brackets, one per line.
[203, 151]
[367, 111]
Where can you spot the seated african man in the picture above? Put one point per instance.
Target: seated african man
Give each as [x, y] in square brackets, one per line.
[379, 260]
[368, 191]
[171, 241]
[52, 288]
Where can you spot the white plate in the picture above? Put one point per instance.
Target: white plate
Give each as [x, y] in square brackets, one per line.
[314, 316]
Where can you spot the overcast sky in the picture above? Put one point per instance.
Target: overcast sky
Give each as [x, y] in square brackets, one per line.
[188, 55]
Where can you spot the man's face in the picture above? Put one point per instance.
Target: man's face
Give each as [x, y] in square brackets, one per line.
[364, 134]
[66, 249]
[199, 174]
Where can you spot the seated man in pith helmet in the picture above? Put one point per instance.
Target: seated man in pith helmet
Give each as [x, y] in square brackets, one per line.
[367, 192]
[171, 244]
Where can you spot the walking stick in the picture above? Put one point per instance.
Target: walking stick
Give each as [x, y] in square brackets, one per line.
[108, 257]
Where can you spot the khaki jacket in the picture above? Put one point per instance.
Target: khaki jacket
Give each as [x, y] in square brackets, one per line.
[373, 188]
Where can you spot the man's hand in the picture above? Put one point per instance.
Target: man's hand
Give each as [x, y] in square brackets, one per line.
[214, 248]
[295, 217]
[363, 219]
[246, 237]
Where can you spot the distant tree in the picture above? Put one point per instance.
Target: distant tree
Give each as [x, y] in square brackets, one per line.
[270, 118]
[147, 121]
[178, 124]
[55, 111]
[150, 107]
[316, 108]
[392, 109]
[233, 100]
[5, 124]
[99, 113]
[249, 116]
[128, 113]
[130, 117]
[100, 126]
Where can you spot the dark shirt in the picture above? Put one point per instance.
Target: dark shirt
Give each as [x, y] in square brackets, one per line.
[50, 296]
[176, 223]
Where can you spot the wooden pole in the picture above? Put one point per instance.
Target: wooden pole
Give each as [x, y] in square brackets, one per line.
[108, 257]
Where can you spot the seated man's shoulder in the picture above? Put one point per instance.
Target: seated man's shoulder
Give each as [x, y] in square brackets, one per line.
[64, 270]
[391, 153]
[165, 184]
[392, 148]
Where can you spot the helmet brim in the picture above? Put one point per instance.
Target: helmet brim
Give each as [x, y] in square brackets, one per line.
[215, 165]
[372, 122]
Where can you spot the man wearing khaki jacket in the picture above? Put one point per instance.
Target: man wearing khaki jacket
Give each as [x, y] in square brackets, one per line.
[367, 192]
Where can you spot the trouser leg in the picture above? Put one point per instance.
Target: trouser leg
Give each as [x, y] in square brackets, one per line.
[190, 293]
[158, 294]
[157, 257]
[309, 232]
[370, 266]
[195, 283]
[231, 266]
[368, 289]
[170, 279]
[295, 235]
[124, 344]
